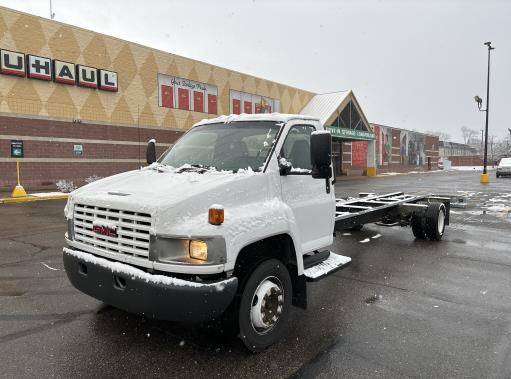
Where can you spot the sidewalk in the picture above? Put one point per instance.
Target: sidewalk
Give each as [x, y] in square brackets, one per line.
[5, 197]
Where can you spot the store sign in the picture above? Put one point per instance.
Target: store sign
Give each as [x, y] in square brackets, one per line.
[43, 68]
[350, 133]
[78, 150]
[12, 63]
[16, 149]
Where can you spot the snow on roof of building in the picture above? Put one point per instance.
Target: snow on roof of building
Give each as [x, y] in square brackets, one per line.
[324, 105]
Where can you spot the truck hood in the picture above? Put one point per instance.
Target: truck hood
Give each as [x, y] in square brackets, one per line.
[149, 189]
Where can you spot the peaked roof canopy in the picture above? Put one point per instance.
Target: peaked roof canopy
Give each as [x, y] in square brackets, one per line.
[327, 108]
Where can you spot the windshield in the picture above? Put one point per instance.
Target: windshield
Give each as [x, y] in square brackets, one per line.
[231, 146]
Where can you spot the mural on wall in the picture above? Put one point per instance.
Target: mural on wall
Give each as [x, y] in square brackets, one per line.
[174, 92]
[403, 146]
[243, 102]
[416, 149]
[412, 148]
[387, 145]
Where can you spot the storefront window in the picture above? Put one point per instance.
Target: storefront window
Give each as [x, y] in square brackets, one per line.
[349, 118]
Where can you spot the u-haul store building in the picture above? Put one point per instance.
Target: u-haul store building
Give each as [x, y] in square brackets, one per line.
[75, 103]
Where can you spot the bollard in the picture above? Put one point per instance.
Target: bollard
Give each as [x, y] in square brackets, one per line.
[18, 191]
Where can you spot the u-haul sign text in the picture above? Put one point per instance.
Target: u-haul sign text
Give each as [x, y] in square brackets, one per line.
[43, 68]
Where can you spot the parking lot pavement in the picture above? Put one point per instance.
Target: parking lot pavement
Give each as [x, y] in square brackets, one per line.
[403, 308]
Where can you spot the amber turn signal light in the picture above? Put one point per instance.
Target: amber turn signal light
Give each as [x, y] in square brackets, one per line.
[216, 215]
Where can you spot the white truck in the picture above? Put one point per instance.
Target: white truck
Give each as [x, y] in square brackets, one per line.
[235, 218]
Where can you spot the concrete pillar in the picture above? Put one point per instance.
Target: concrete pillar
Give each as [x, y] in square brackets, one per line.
[371, 158]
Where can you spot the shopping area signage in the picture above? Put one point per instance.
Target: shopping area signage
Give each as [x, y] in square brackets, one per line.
[346, 133]
[42, 68]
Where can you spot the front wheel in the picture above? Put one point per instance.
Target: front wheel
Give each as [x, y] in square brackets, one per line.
[265, 305]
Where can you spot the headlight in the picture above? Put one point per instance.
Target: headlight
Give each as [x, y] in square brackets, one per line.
[69, 208]
[198, 250]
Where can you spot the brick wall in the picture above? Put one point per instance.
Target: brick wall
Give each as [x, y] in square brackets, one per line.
[49, 150]
[467, 160]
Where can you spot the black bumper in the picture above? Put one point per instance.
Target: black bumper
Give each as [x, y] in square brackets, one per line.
[180, 301]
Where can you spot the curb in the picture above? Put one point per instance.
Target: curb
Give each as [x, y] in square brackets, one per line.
[11, 200]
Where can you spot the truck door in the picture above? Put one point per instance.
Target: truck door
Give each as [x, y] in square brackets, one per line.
[312, 206]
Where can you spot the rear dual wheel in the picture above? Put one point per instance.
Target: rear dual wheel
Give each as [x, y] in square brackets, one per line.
[431, 224]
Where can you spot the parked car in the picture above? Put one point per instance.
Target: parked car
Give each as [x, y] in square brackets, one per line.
[504, 167]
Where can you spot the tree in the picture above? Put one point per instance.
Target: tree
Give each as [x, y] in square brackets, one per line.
[441, 135]
[468, 134]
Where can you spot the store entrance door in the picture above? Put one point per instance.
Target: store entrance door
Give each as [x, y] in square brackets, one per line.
[337, 157]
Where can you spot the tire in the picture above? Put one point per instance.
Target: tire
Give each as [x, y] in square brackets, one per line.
[435, 221]
[418, 227]
[497, 175]
[271, 282]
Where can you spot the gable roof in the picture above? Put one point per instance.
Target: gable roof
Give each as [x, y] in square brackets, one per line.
[327, 106]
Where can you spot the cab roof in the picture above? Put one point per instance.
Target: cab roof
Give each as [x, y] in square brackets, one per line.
[277, 117]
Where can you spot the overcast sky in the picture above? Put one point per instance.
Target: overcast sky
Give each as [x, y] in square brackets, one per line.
[412, 64]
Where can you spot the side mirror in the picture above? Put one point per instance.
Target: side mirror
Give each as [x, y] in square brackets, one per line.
[151, 151]
[284, 166]
[321, 154]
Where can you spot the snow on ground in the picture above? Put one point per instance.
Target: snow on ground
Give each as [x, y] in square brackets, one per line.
[471, 168]
[495, 204]
[50, 268]
[366, 240]
[44, 194]
[406, 173]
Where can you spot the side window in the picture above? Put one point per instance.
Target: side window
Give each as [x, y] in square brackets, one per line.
[296, 149]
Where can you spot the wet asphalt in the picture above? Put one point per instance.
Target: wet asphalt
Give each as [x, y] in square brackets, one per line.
[403, 308]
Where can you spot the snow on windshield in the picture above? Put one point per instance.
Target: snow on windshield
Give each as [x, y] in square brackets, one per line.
[229, 147]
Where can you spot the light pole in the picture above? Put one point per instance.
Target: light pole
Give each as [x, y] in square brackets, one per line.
[485, 178]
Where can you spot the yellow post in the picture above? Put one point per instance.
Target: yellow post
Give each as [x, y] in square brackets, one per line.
[371, 171]
[485, 178]
[18, 191]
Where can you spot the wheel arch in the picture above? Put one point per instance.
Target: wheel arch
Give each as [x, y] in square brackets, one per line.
[280, 247]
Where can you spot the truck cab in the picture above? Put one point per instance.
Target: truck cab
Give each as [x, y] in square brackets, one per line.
[225, 222]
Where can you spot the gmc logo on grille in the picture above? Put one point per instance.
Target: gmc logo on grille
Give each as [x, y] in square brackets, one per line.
[105, 231]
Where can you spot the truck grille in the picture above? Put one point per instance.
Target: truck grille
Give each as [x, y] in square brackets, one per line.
[132, 229]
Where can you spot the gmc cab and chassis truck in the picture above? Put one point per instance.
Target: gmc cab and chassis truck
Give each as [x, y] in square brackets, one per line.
[234, 219]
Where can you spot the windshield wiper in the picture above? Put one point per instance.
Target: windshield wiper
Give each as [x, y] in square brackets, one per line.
[195, 168]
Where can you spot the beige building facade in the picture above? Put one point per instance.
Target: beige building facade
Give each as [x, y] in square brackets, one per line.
[76, 105]
[71, 129]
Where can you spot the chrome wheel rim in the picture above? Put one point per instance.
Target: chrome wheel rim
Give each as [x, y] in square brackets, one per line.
[267, 305]
[441, 221]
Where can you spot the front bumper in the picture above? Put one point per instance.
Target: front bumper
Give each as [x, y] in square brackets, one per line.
[152, 295]
[504, 172]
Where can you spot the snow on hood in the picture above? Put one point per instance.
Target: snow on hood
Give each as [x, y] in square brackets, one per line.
[156, 187]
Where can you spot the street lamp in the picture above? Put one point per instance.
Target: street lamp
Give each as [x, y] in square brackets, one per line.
[485, 178]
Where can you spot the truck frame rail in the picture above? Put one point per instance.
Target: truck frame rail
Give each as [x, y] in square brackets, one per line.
[396, 208]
